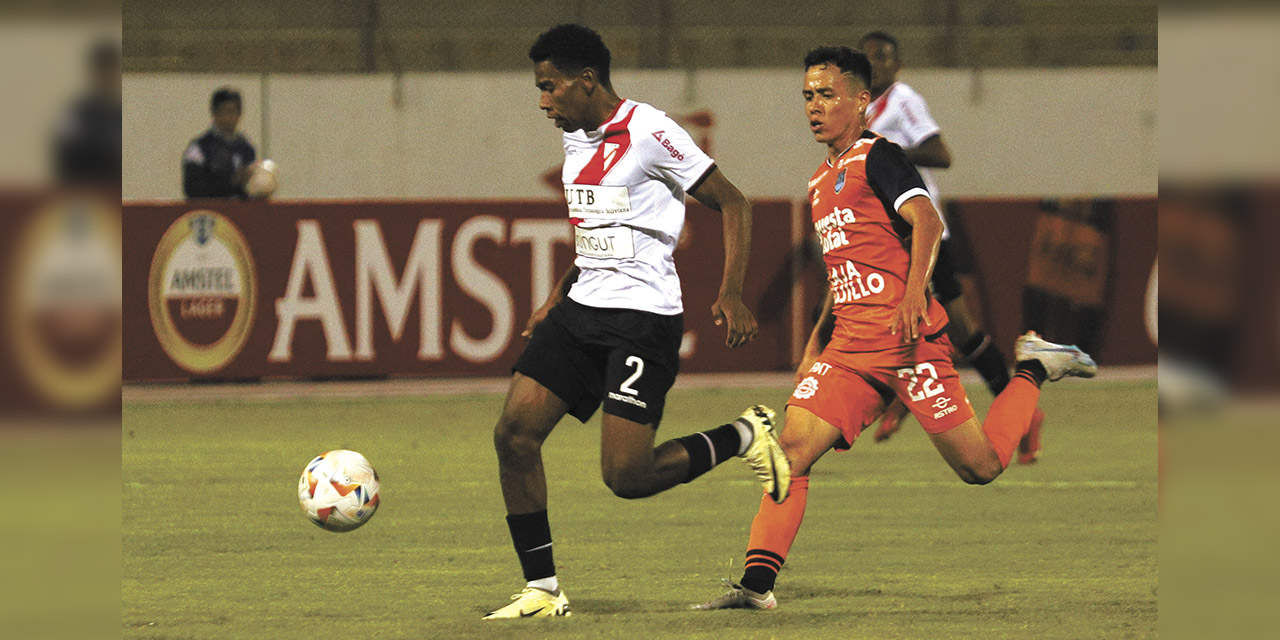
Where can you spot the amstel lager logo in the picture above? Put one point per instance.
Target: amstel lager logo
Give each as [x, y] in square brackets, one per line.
[202, 291]
[65, 302]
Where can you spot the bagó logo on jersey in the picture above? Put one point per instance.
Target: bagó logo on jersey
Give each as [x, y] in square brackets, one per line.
[666, 144]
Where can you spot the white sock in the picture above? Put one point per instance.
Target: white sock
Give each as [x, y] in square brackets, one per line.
[550, 585]
[746, 435]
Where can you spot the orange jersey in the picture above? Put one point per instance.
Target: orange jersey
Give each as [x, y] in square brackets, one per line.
[866, 245]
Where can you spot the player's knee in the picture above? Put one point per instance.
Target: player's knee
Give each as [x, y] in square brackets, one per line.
[980, 474]
[512, 442]
[627, 486]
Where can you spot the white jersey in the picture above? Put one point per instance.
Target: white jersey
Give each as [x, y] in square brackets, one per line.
[625, 184]
[902, 116]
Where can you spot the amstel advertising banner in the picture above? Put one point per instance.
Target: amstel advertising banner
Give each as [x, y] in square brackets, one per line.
[255, 290]
[249, 290]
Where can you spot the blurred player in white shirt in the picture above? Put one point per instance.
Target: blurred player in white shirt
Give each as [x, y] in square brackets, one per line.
[900, 114]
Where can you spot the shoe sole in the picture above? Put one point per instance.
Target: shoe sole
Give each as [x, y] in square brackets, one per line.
[767, 415]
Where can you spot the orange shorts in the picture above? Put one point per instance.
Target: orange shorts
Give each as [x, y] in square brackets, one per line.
[851, 389]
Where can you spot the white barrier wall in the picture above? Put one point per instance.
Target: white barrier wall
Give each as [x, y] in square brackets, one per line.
[479, 135]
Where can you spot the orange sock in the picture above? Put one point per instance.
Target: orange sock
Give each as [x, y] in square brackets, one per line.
[1010, 416]
[772, 532]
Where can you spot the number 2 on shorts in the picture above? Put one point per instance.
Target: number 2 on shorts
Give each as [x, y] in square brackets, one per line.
[633, 361]
[928, 388]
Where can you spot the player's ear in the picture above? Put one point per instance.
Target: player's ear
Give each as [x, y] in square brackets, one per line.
[589, 80]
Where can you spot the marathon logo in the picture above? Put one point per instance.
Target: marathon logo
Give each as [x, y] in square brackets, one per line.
[628, 399]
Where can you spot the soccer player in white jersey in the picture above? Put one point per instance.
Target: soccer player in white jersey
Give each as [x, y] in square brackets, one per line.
[900, 114]
[611, 331]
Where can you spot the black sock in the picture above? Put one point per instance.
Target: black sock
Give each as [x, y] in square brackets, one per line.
[761, 573]
[1032, 370]
[981, 352]
[531, 534]
[709, 448]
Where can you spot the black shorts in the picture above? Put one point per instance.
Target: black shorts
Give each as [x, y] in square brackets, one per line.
[628, 359]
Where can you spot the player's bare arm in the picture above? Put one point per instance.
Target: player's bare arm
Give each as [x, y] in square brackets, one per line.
[933, 153]
[716, 192]
[557, 294]
[926, 235]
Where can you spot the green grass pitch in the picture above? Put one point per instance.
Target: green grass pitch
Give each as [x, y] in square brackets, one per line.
[893, 544]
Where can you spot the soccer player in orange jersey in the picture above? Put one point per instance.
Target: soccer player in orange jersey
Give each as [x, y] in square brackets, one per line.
[879, 234]
[898, 112]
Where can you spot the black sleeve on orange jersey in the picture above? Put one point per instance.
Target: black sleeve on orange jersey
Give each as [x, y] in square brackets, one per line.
[890, 175]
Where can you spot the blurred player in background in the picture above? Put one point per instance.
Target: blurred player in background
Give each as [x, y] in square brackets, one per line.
[879, 233]
[216, 165]
[612, 329]
[87, 143]
[900, 114]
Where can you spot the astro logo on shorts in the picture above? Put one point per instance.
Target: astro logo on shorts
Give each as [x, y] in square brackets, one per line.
[943, 404]
[806, 388]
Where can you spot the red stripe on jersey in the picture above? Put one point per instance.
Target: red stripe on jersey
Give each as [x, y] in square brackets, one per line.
[615, 144]
[878, 105]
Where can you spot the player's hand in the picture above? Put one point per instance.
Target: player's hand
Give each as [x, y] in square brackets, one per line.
[536, 319]
[742, 325]
[913, 311]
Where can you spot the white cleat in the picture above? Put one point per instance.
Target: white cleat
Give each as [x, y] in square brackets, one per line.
[532, 602]
[1059, 360]
[739, 597]
[765, 455]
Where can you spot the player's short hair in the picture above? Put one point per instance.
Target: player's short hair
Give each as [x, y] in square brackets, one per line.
[850, 62]
[225, 94]
[572, 48]
[885, 37]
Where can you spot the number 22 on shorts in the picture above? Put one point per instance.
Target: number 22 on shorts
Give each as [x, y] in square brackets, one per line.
[927, 379]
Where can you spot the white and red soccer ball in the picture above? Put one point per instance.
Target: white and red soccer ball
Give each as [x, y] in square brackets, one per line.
[264, 179]
[339, 490]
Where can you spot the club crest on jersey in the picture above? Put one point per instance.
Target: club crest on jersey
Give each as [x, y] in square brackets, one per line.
[610, 154]
[840, 180]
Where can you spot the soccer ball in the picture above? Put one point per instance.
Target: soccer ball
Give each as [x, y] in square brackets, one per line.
[263, 180]
[339, 490]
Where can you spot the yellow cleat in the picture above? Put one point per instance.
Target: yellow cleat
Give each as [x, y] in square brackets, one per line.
[532, 602]
[765, 456]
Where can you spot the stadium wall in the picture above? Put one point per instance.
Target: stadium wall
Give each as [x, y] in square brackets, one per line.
[1013, 133]
[221, 290]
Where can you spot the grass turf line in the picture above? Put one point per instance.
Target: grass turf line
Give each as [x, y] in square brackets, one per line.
[893, 545]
